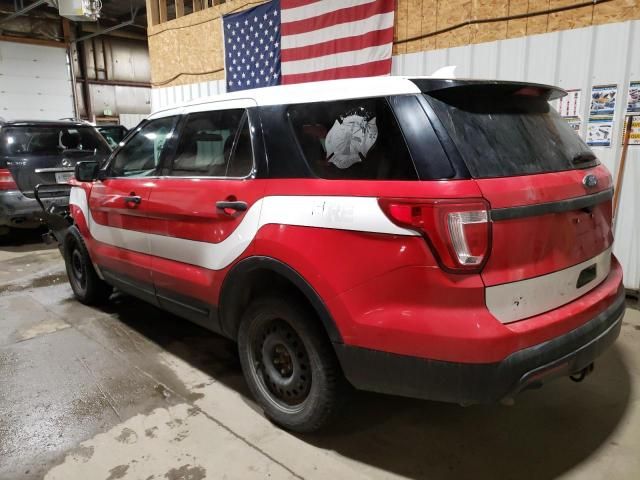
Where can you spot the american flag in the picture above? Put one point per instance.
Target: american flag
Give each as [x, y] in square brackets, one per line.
[294, 41]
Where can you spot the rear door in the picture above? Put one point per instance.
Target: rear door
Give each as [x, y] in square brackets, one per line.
[119, 207]
[550, 199]
[47, 153]
[205, 210]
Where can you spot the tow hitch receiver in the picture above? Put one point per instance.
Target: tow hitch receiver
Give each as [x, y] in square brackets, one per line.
[54, 201]
[582, 374]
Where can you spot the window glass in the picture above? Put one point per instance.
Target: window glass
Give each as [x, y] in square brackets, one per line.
[214, 144]
[353, 139]
[51, 140]
[140, 156]
[500, 132]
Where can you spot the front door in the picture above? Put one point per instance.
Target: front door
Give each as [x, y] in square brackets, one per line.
[119, 205]
[205, 211]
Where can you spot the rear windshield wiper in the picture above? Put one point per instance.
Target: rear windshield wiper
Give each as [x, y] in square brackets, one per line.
[583, 158]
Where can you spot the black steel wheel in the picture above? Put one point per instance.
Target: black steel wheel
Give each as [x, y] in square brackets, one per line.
[87, 286]
[289, 364]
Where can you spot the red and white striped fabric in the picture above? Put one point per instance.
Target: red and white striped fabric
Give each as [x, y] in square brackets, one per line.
[331, 39]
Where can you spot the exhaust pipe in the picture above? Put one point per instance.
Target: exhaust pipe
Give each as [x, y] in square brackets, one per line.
[582, 374]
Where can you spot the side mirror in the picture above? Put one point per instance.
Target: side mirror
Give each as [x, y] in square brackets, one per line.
[86, 171]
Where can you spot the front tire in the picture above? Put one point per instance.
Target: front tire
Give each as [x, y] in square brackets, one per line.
[87, 286]
[289, 364]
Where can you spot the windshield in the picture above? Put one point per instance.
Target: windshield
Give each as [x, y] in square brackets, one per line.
[113, 135]
[50, 140]
[502, 134]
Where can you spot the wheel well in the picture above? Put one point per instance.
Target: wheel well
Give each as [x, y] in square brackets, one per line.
[260, 276]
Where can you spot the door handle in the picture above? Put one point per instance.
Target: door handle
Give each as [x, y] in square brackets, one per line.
[230, 208]
[132, 201]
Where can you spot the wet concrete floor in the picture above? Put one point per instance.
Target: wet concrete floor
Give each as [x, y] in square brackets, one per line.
[128, 391]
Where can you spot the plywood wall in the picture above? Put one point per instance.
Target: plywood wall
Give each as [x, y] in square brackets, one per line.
[189, 49]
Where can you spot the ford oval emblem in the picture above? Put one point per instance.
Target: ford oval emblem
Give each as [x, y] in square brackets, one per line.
[590, 181]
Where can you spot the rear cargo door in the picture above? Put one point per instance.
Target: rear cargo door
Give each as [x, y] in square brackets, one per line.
[550, 199]
[47, 153]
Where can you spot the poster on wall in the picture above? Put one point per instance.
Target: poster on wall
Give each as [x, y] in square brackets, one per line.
[634, 136]
[569, 105]
[574, 123]
[603, 100]
[633, 99]
[599, 131]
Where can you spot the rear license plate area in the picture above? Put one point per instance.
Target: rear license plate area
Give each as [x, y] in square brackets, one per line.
[63, 177]
[587, 275]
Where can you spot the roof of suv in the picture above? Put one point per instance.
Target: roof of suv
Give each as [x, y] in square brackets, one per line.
[43, 123]
[330, 90]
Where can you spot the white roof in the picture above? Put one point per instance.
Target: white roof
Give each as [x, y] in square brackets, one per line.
[298, 93]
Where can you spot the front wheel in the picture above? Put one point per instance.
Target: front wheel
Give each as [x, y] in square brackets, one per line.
[87, 286]
[289, 364]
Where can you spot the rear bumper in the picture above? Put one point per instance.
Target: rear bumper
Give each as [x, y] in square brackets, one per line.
[483, 382]
[16, 210]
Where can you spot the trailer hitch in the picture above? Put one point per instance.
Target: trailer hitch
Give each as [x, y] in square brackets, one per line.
[582, 374]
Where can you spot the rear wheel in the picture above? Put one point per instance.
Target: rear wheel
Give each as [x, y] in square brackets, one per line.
[289, 364]
[87, 287]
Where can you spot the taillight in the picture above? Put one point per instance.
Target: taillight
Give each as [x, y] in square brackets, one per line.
[458, 231]
[6, 180]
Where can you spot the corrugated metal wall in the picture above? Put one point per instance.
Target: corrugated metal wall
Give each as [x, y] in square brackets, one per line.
[605, 54]
[35, 82]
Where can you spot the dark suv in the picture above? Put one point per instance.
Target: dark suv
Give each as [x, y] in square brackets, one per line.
[35, 152]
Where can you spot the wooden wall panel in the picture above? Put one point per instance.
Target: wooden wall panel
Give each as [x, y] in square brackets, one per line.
[488, 32]
[191, 45]
[518, 27]
[538, 23]
[574, 18]
[616, 11]
[402, 24]
[429, 22]
[414, 24]
[450, 13]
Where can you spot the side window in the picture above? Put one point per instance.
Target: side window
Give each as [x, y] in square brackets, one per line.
[140, 156]
[353, 140]
[214, 144]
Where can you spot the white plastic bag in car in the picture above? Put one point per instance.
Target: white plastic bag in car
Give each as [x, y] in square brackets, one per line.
[349, 142]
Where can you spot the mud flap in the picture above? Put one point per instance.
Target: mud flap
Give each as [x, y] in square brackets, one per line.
[53, 198]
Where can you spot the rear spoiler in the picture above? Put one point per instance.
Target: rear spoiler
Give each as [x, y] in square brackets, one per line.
[434, 85]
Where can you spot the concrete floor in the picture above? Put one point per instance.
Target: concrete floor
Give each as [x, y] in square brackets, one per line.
[128, 391]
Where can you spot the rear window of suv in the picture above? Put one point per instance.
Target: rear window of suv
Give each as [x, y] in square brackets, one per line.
[507, 131]
[50, 140]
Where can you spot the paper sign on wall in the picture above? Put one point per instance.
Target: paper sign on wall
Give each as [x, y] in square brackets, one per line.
[569, 105]
[633, 98]
[603, 100]
[634, 136]
[599, 131]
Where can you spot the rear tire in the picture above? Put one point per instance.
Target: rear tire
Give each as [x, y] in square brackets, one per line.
[289, 364]
[87, 286]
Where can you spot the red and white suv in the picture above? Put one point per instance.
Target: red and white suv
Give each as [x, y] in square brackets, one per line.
[441, 239]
